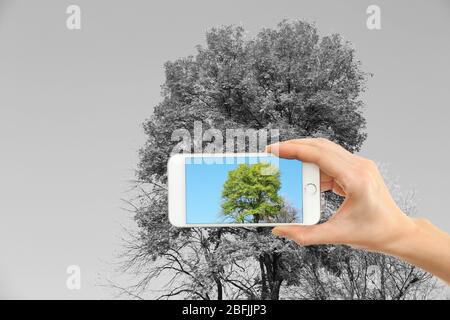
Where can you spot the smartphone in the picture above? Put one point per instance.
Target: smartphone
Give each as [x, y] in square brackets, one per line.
[241, 190]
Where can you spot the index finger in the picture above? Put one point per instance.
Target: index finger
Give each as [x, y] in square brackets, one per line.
[328, 162]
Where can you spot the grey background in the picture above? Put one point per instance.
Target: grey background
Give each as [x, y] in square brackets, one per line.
[72, 104]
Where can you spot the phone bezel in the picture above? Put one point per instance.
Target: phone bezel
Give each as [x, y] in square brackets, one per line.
[177, 192]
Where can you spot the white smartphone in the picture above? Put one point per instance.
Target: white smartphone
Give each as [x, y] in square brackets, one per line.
[241, 190]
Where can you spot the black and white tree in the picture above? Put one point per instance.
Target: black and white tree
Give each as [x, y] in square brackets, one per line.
[287, 78]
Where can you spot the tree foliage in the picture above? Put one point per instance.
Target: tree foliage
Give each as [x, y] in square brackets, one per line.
[250, 194]
[288, 78]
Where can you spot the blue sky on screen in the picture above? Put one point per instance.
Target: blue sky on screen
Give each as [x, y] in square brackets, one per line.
[204, 184]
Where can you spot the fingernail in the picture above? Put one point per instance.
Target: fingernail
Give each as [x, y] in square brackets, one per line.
[272, 148]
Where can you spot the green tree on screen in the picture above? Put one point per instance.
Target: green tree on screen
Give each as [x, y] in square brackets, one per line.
[250, 194]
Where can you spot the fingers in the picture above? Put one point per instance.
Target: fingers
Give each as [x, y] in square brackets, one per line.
[336, 165]
[330, 159]
[324, 144]
[309, 235]
[328, 183]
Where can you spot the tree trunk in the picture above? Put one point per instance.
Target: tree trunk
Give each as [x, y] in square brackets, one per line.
[273, 277]
[383, 278]
[219, 288]
[264, 288]
[275, 293]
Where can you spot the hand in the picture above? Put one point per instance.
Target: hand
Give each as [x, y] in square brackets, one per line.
[368, 218]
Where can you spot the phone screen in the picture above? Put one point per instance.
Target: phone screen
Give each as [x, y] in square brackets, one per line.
[260, 189]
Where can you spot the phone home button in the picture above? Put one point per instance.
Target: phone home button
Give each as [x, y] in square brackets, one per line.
[310, 189]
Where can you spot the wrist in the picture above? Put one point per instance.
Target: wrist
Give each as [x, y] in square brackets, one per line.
[424, 246]
[403, 244]
[408, 230]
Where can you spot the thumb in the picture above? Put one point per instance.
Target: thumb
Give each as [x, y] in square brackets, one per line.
[308, 235]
